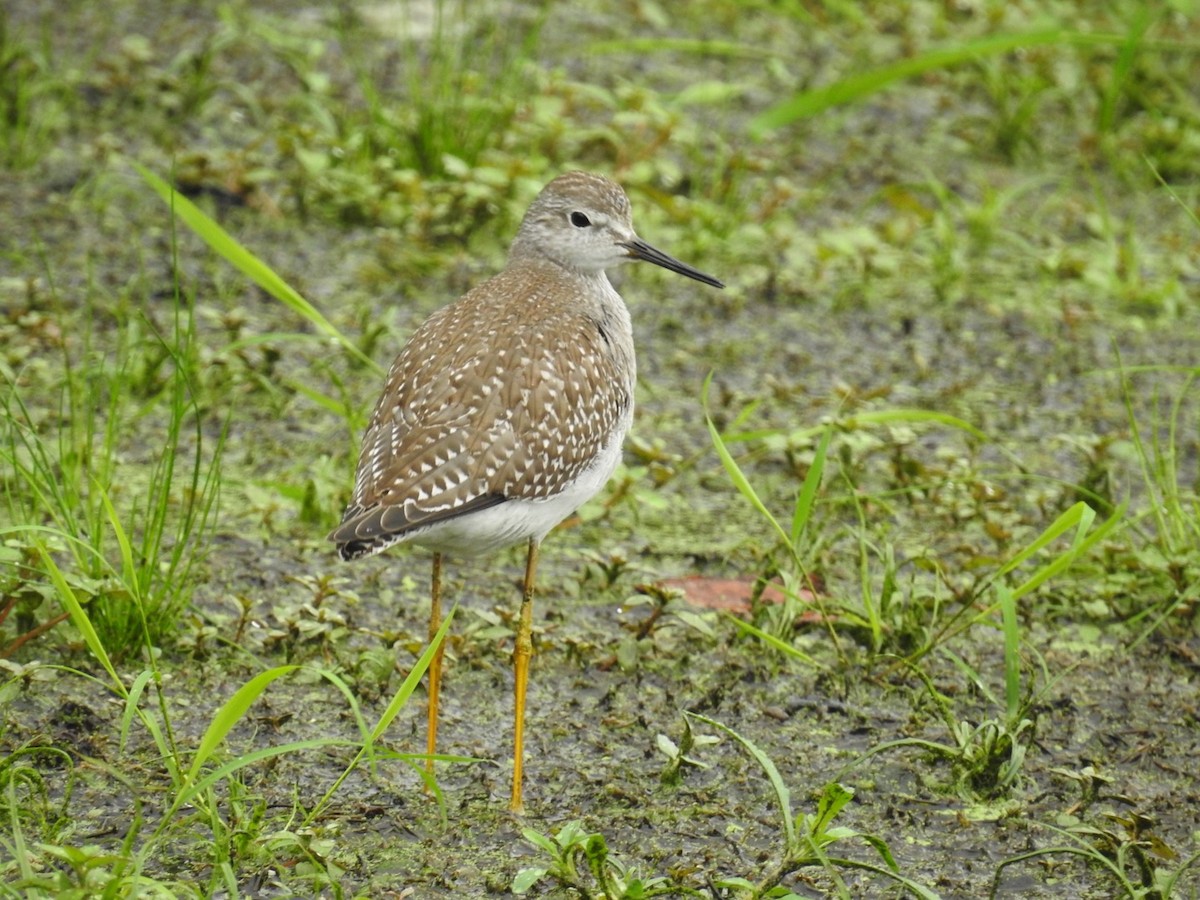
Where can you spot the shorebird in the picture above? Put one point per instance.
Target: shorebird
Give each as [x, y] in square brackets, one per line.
[506, 410]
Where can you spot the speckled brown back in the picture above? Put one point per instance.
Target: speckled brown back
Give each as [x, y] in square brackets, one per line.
[509, 393]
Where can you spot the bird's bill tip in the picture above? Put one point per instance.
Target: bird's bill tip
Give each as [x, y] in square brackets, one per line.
[639, 249]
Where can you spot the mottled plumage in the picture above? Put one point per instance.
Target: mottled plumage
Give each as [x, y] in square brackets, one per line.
[506, 410]
[511, 393]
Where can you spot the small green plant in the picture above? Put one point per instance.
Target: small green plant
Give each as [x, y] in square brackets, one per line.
[806, 838]
[986, 758]
[1171, 521]
[677, 754]
[794, 575]
[1017, 91]
[580, 861]
[1126, 847]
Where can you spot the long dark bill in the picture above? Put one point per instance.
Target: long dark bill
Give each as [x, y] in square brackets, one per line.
[639, 249]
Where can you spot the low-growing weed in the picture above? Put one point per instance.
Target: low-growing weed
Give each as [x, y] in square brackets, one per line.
[1125, 847]
[806, 838]
[579, 860]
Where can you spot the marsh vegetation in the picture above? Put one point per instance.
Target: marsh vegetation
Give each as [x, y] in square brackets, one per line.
[897, 592]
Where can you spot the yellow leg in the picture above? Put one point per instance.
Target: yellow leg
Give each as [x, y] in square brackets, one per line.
[522, 652]
[435, 665]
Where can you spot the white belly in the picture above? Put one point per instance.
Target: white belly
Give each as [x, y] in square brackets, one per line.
[516, 521]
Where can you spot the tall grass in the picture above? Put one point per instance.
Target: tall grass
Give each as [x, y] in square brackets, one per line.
[133, 532]
[35, 100]
[465, 76]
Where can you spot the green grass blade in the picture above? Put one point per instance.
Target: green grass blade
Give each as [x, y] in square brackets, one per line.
[970, 675]
[228, 881]
[808, 490]
[872, 606]
[710, 48]
[422, 756]
[414, 678]
[1082, 522]
[1083, 542]
[1180, 204]
[782, 795]
[248, 759]
[393, 709]
[324, 401]
[904, 414]
[129, 572]
[834, 798]
[885, 852]
[20, 854]
[231, 713]
[1122, 69]
[736, 475]
[916, 888]
[346, 691]
[226, 246]
[1071, 518]
[79, 616]
[270, 338]
[1012, 653]
[775, 642]
[860, 85]
[131, 705]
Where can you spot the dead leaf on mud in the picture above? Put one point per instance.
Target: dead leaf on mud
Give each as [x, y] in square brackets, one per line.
[728, 594]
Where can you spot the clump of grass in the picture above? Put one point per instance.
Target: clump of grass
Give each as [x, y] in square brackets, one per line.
[1125, 847]
[464, 75]
[806, 838]
[134, 545]
[1170, 524]
[40, 845]
[417, 145]
[987, 757]
[1173, 508]
[34, 100]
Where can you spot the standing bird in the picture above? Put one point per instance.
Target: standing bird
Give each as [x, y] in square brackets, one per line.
[506, 410]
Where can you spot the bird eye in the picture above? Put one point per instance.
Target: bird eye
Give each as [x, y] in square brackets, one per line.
[579, 220]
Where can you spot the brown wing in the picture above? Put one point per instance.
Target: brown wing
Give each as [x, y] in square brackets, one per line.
[483, 405]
